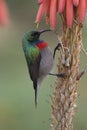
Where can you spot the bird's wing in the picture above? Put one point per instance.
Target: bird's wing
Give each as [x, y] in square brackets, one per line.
[34, 74]
[34, 70]
[33, 58]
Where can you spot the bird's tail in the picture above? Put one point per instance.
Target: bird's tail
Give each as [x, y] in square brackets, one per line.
[35, 89]
[35, 97]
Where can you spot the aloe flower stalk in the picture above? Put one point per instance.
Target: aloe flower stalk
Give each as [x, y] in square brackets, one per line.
[4, 15]
[64, 97]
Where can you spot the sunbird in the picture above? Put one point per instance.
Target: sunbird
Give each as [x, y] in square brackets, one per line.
[39, 58]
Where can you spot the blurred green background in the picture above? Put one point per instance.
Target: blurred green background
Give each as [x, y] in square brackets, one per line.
[17, 109]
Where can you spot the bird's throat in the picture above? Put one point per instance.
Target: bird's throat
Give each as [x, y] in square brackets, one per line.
[42, 45]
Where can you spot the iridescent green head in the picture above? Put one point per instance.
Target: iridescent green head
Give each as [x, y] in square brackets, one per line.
[34, 35]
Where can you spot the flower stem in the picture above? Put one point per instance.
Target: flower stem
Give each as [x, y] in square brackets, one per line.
[65, 93]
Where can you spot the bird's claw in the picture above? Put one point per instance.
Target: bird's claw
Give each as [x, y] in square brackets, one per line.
[56, 48]
[61, 75]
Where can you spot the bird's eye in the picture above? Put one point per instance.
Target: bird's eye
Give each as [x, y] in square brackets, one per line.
[34, 34]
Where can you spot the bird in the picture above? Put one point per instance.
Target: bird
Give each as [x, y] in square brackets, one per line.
[39, 58]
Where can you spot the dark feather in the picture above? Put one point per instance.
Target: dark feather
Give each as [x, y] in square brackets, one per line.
[34, 69]
[34, 73]
[35, 89]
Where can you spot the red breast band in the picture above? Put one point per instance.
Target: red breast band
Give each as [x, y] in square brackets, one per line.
[42, 45]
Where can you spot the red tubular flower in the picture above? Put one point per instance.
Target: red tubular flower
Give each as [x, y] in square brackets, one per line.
[75, 2]
[82, 10]
[4, 16]
[50, 8]
[47, 10]
[61, 6]
[69, 12]
[40, 12]
[42, 9]
[53, 12]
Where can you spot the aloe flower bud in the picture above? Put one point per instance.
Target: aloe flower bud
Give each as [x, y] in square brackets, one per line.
[4, 15]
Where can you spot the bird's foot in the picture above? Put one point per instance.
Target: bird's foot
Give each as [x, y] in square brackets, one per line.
[56, 48]
[61, 48]
[60, 75]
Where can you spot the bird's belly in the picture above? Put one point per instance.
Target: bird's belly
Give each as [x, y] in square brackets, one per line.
[46, 63]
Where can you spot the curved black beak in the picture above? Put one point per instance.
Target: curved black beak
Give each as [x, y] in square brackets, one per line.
[42, 31]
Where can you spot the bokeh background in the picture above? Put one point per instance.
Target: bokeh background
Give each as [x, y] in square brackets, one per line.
[17, 109]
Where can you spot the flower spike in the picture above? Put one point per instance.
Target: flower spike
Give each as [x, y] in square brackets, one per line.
[65, 7]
